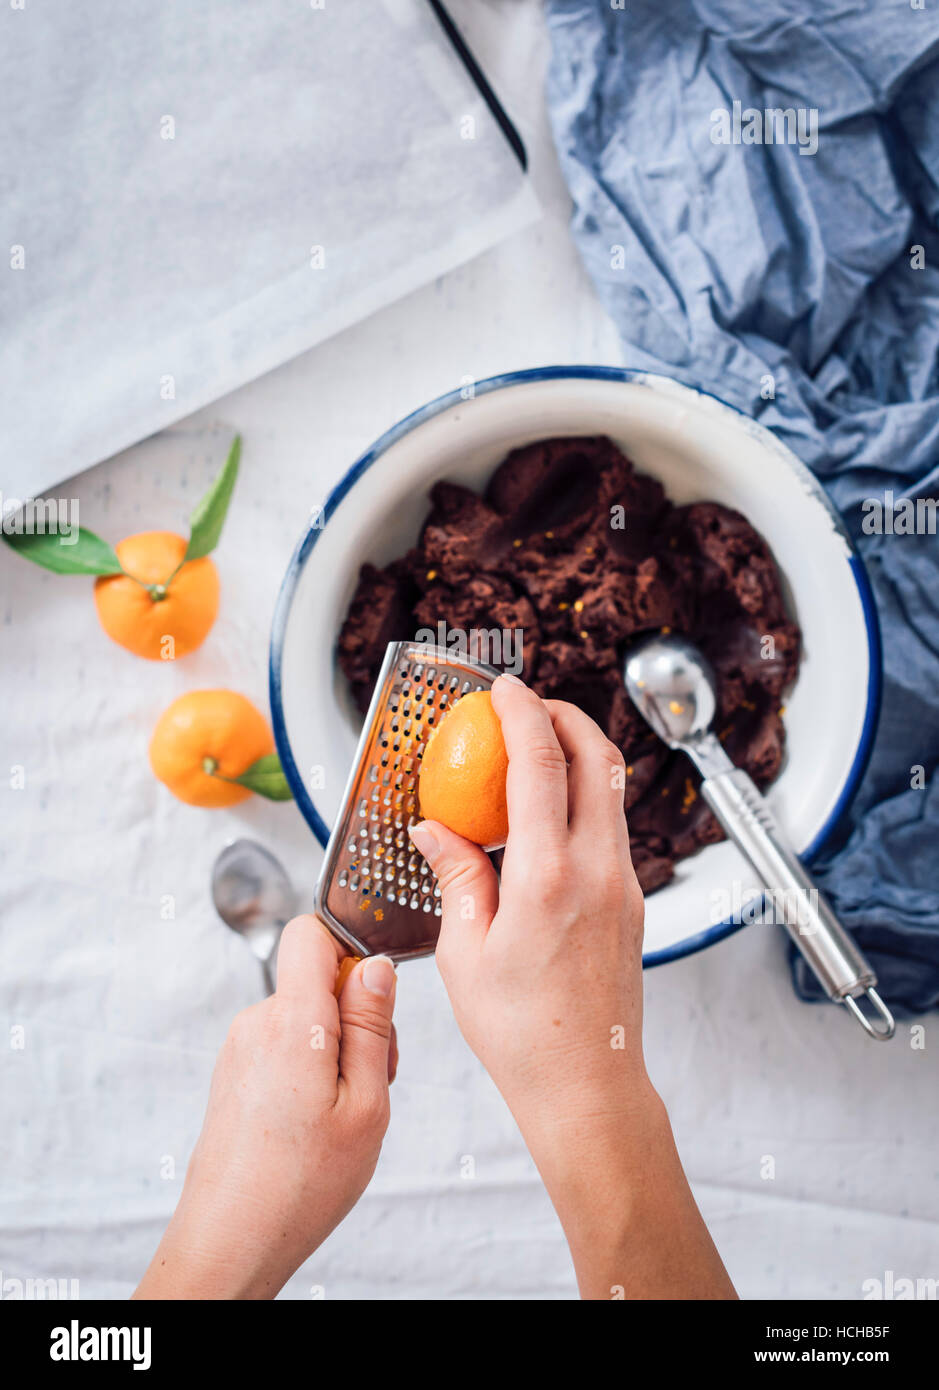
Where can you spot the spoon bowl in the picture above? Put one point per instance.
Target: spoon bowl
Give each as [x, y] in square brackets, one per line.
[254, 897]
[674, 687]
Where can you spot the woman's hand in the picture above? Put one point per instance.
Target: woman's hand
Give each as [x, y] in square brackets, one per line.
[545, 977]
[297, 1111]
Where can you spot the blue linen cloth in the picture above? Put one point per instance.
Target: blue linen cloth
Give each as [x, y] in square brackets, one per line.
[801, 285]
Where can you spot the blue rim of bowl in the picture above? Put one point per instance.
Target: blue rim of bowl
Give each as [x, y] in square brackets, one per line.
[709, 936]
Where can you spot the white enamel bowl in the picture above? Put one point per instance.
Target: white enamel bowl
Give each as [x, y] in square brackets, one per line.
[698, 448]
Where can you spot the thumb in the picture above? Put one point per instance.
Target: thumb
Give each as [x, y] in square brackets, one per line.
[366, 1005]
[469, 888]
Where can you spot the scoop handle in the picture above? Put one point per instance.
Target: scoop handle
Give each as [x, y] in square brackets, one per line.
[843, 972]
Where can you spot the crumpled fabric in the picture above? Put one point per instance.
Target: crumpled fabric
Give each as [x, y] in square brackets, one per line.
[804, 289]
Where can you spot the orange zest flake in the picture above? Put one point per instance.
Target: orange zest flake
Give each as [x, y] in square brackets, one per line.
[579, 606]
[583, 634]
[365, 903]
[589, 549]
[431, 574]
[629, 770]
[516, 544]
[747, 704]
[379, 915]
[665, 791]
[666, 631]
[562, 606]
[782, 710]
[549, 535]
[689, 798]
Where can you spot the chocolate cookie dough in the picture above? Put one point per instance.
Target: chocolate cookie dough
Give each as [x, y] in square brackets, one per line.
[583, 554]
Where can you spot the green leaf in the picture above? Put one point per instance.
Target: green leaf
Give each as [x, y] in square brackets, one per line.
[82, 552]
[206, 522]
[266, 777]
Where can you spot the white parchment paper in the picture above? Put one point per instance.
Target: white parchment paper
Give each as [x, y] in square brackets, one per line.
[193, 194]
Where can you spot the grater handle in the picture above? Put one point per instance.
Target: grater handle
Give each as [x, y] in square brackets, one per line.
[843, 972]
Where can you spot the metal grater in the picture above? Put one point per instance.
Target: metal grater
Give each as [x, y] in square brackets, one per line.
[375, 892]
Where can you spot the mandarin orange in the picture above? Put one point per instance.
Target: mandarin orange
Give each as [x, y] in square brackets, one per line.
[463, 770]
[204, 738]
[160, 609]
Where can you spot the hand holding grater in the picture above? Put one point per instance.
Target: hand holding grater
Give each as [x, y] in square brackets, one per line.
[375, 892]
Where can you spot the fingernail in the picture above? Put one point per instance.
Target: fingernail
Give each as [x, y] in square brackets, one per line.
[425, 841]
[378, 975]
[507, 676]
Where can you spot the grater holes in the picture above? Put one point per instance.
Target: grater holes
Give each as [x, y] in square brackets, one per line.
[375, 857]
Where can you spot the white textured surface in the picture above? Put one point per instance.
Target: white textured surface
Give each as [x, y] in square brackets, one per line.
[123, 1011]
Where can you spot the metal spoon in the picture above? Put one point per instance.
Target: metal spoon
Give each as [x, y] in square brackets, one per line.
[673, 686]
[253, 896]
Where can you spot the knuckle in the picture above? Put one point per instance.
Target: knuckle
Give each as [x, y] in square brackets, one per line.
[373, 1110]
[244, 1026]
[614, 887]
[369, 1019]
[454, 875]
[279, 1016]
[553, 878]
[620, 893]
[545, 757]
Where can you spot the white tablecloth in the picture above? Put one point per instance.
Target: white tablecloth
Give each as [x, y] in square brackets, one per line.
[123, 981]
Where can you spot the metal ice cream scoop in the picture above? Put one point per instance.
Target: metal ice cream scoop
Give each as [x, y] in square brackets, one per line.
[673, 686]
